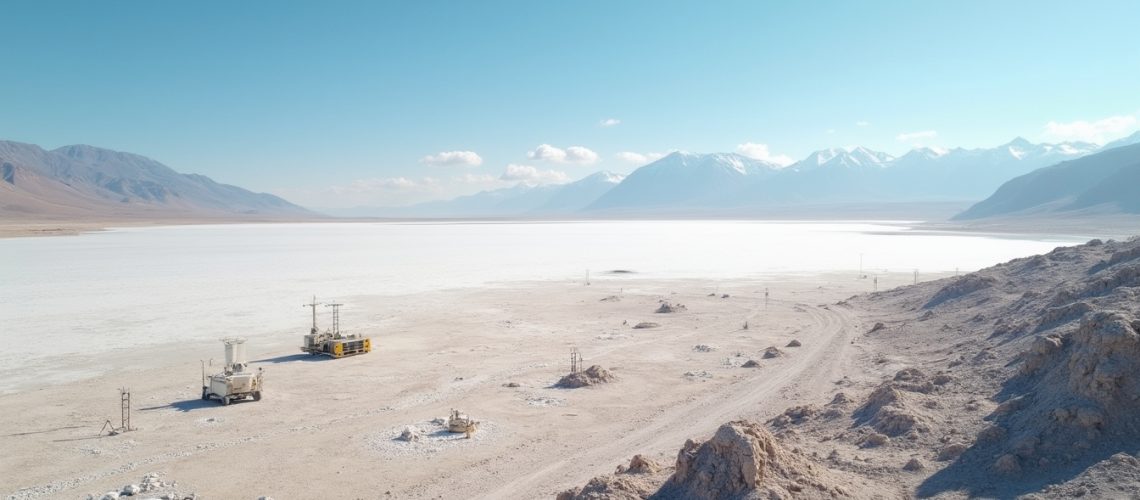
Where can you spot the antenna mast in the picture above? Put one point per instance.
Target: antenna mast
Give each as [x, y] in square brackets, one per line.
[313, 305]
[336, 317]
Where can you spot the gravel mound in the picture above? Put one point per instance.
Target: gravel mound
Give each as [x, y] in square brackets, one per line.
[744, 460]
[591, 376]
[667, 307]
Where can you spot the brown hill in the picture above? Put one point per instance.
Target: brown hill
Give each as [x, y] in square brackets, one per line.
[89, 182]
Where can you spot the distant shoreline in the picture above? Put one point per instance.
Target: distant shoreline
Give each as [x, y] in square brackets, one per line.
[1100, 226]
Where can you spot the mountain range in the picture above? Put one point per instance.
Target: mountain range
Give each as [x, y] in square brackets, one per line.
[725, 183]
[84, 181]
[1104, 182]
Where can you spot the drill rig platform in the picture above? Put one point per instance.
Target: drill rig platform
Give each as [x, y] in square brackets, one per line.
[333, 342]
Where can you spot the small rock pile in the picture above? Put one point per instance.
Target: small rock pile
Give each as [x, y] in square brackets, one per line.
[593, 375]
[667, 307]
[152, 485]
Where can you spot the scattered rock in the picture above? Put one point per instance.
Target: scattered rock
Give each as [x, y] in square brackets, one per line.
[752, 363]
[873, 440]
[951, 451]
[511, 384]
[670, 308]
[772, 352]
[704, 348]
[794, 343]
[1007, 464]
[914, 464]
[878, 326]
[410, 434]
[641, 465]
[646, 324]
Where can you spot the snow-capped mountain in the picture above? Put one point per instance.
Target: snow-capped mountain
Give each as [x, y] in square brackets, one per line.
[690, 183]
[687, 181]
[577, 195]
[857, 157]
[519, 200]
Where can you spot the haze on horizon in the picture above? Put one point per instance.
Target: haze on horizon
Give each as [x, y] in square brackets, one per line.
[364, 103]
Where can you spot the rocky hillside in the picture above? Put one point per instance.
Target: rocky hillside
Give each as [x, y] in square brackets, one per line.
[1017, 380]
[85, 181]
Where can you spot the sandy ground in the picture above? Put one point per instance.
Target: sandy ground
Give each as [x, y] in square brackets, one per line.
[327, 426]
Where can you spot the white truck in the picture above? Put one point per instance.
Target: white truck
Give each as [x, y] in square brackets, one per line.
[236, 381]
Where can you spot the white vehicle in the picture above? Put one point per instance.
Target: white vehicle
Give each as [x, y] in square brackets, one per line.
[236, 380]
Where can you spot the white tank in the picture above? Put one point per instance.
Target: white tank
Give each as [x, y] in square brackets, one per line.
[235, 351]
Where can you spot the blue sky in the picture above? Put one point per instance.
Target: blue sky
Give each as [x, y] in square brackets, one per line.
[346, 103]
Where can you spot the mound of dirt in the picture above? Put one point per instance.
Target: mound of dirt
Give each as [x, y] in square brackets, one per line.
[639, 480]
[616, 487]
[752, 363]
[795, 415]
[896, 406]
[743, 460]
[667, 307]
[794, 343]
[645, 324]
[772, 352]
[959, 287]
[639, 464]
[593, 375]
[704, 348]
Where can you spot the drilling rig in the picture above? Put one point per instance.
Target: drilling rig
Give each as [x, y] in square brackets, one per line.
[333, 342]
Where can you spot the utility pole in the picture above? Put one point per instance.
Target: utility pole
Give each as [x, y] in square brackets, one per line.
[313, 305]
[916, 276]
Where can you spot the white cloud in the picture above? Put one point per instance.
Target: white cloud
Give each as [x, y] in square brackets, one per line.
[639, 158]
[475, 179]
[862, 124]
[609, 122]
[529, 174]
[1099, 131]
[579, 154]
[383, 184]
[572, 154]
[451, 158]
[912, 136]
[761, 152]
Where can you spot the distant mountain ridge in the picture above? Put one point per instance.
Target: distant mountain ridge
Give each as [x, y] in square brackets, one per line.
[1103, 182]
[82, 180]
[683, 183]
